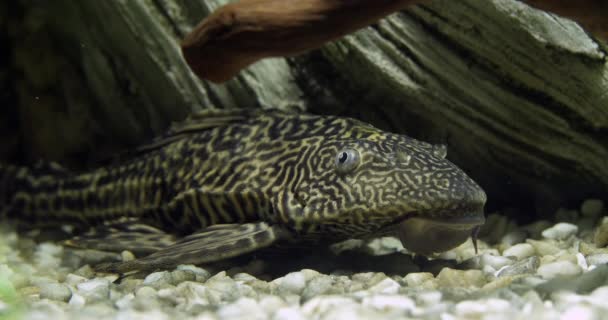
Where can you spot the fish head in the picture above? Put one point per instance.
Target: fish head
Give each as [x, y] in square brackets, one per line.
[371, 182]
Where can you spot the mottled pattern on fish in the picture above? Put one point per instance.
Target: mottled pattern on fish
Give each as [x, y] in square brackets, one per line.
[316, 177]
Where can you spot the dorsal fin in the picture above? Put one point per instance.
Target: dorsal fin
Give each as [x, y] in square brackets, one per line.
[198, 122]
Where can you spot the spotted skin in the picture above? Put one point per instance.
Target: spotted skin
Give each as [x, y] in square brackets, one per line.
[316, 178]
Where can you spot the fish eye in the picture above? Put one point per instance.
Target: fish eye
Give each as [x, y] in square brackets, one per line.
[347, 160]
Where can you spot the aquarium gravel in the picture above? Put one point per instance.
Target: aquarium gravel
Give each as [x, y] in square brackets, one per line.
[544, 270]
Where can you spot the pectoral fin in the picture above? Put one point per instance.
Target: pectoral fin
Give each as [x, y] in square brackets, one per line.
[141, 239]
[213, 244]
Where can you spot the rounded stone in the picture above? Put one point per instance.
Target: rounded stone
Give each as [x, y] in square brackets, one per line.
[600, 238]
[317, 286]
[179, 276]
[416, 279]
[597, 259]
[77, 301]
[288, 313]
[201, 274]
[74, 280]
[592, 207]
[525, 266]
[579, 312]
[560, 231]
[158, 280]
[389, 303]
[127, 255]
[451, 278]
[544, 248]
[292, 283]
[243, 308]
[95, 290]
[558, 268]
[55, 291]
[146, 292]
[519, 251]
[496, 262]
[386, 286]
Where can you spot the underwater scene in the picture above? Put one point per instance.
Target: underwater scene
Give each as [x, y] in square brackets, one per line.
[304, 159]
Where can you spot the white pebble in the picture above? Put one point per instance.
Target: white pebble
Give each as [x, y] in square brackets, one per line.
[322, 304]
[292, 283]
[496, 262]
[415, 279]
[578, 312]
[74, 280]
[389, 302]
[158, 280]
[127, 255]
[201, 274]
[544, 248]
[558, 268]
[94, 290]
[271, 303]
[560, 231]
[125, 302]
[428, 298]
[77, 301]
[592, 208]
[519, 251]
[289, 313]
[597, 259]
[55, 291]
[243, 308]
[386, 286]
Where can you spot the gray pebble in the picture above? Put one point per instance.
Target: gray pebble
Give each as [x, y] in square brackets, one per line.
[85, 271]
[158, 280]
[592, 208]
[179, 276]
[146, 292]
[125, 302]
[600, 238]
[201, 274]
[317, 286]
[560, 231]
[74, 280]
[582, 283]
[558, 268]
[55, 291]
[222, 288]
[94, 290]
[525, 266]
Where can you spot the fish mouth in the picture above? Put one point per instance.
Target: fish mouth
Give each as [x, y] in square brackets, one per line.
[433, 235]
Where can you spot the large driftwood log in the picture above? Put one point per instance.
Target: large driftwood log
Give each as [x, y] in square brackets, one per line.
[519, 95]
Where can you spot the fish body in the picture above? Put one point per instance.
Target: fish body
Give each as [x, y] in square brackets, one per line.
[224, 183]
